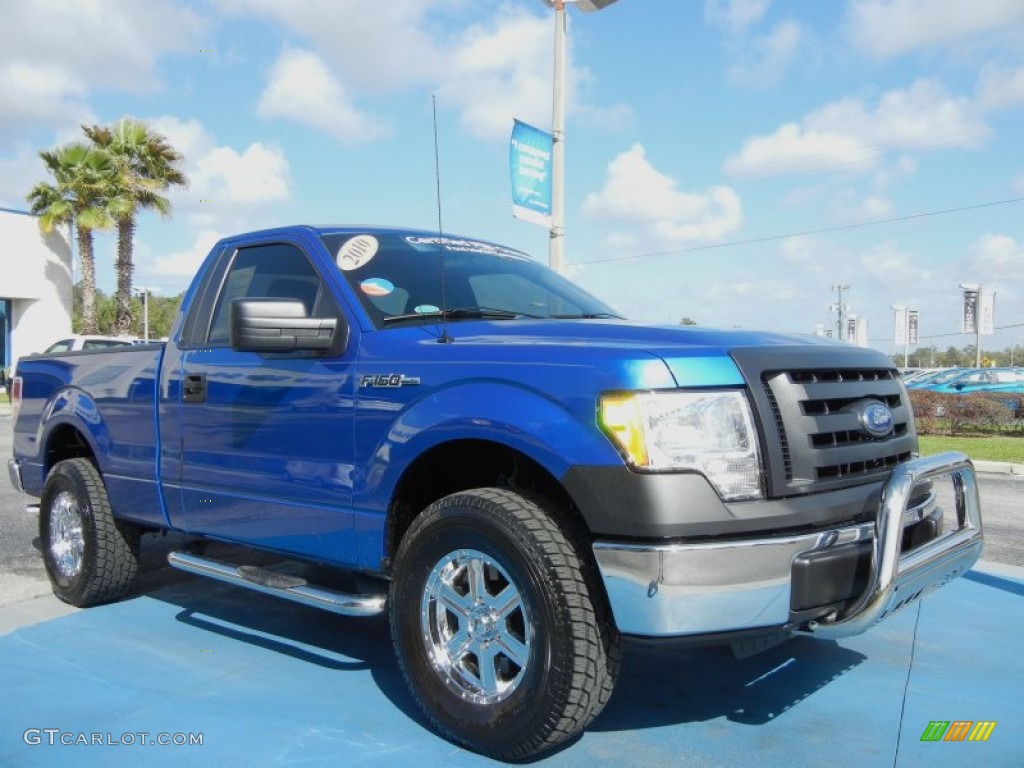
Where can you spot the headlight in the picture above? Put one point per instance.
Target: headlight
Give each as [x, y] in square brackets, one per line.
[709, 432]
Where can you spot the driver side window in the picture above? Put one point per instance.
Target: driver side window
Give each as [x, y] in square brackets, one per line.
[278, 271]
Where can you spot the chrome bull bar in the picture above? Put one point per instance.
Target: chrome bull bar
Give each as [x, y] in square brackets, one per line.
[896, 580]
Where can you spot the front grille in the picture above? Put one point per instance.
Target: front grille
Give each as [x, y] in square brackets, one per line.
[806, 405]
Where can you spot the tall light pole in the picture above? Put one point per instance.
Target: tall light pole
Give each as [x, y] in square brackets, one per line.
[556, 246]
[841, 309]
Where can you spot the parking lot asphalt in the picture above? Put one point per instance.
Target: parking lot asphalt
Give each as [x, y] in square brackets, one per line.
[265, 682]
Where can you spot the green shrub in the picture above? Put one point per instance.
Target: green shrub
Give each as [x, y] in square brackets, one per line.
[981, 413]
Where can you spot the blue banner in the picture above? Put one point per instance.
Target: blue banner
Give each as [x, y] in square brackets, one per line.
[530, 165]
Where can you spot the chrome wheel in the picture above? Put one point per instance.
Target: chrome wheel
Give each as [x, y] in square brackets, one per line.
[475, 626]
[67, 543]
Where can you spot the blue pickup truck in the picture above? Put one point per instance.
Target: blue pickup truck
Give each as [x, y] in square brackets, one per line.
[516, 475]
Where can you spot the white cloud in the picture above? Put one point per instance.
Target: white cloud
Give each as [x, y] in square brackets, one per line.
[489, 71]
[53, 55]
[19, 172]
[735, 16]
[257, 175]
[223, 176]
[869, 208]
[901, 168]
[793, 148]
[997, 261]
[766, 59]
[905, 118]
[800, 250]
[185, 263]
[230, 190]
[850, 134]
[637, 194]
[500, 71]
[302, 88]
[772, 298]
[886, 28]
[40, 94]
[886, 264]
[377, 45]
[1000, 88]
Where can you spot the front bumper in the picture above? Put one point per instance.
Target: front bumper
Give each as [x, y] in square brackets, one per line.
[716, 587]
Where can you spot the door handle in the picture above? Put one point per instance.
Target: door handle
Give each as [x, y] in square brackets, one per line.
[194, 388]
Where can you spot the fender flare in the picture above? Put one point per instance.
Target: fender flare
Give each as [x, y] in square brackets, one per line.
[76, 407]
[521, 418]
[73, 407]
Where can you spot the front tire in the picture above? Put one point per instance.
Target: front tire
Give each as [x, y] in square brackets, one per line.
[90, 556]
[500, 625]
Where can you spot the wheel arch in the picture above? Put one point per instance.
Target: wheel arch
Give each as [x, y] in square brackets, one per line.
[482, 463]
[70, 427]
[66, 441]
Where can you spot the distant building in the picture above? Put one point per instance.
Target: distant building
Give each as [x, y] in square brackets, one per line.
[35, 285]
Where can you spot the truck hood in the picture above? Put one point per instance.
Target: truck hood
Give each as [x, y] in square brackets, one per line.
[694, 356]
[620, 333]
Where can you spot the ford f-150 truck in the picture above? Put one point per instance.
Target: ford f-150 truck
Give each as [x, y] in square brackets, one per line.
[517, 476]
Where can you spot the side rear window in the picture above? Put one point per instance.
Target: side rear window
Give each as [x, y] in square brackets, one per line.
[279, 271]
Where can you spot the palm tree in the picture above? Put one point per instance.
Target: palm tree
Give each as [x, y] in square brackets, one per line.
[147, 165]
[84, 177]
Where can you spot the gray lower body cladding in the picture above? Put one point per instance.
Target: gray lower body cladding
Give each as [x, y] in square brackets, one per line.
[616, 502]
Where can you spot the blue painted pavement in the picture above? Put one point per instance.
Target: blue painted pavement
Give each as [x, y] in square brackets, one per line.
[269, 683]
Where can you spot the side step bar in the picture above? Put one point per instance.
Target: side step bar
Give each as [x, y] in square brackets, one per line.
[280, 585]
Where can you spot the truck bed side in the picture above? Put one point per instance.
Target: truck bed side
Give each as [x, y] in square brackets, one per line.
[99, 404]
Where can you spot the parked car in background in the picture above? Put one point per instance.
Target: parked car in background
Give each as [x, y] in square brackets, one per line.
[916, 374]
[76, 343]
[938, 378]
[982, 380]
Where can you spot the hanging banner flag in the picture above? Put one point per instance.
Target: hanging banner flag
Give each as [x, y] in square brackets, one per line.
[912, 327]
[529, 160]
[986, 313]
[900, 326]
[860, 332]
[970, 319]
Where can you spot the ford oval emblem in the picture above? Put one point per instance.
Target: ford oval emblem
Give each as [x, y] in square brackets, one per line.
[876, 419]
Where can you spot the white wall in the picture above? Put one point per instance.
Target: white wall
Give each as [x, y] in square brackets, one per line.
[35, 274]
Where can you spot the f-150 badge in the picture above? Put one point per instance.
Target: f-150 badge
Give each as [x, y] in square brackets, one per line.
[388, 380]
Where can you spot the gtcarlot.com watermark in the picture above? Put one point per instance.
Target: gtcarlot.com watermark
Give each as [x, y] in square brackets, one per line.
[55, 737]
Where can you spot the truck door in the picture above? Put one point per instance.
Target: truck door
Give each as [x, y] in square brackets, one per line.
[266, 438]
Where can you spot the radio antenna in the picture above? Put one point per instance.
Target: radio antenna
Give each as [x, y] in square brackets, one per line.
[444, 337]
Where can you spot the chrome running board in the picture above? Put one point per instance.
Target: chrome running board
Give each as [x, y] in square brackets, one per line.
[270, 582]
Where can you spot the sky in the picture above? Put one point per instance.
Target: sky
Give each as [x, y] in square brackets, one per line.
[727, 161]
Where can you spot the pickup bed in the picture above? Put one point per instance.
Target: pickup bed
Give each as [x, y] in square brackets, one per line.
[517, 476]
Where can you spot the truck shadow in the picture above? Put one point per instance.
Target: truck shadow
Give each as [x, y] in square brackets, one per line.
[658, 686]
[336, 643]
[668, 686]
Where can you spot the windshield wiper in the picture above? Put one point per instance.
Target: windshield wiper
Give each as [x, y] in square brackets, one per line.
[485, 313]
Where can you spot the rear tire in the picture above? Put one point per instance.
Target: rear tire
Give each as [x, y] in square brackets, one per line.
[90, 556]
[500, 624]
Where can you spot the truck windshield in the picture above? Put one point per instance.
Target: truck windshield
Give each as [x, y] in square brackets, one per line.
[398, 279]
